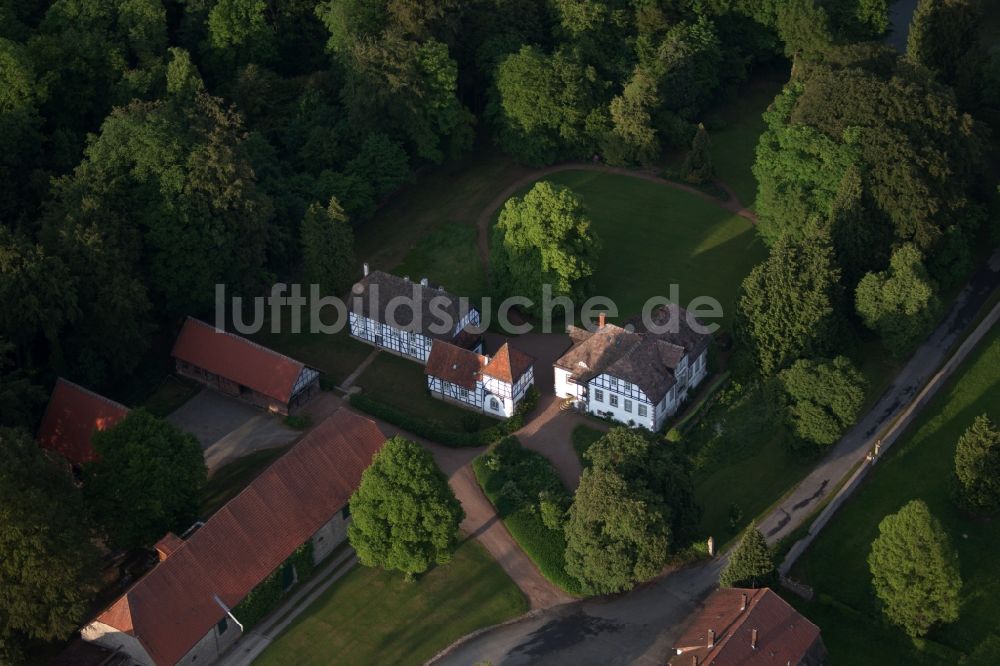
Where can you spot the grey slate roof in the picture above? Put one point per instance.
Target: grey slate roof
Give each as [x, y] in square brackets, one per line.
[415, 314]
[634, 353]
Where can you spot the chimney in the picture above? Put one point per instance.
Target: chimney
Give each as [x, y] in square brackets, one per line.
[600, 320]
[753, 639]
[711, 639]
[743, 606]
[364, 267]
[423, 282]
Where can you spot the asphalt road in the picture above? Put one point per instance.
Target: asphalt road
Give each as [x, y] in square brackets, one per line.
[639, 627]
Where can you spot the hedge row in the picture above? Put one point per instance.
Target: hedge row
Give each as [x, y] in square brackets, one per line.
[515, 480]
[267, 595]
[431, 431]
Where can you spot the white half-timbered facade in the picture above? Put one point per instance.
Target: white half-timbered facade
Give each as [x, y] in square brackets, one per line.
[406, 318]
[633, 375]
[493, 386]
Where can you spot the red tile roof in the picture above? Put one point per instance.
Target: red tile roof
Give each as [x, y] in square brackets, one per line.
[783, 635]
[454, 364]
[173, 606]
[72, 417]
[508, 364]
[237, 359]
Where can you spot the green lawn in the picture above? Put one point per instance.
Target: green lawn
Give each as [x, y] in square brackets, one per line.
[428, 228]
[230, 479]
[401, 383]
[375, 617]
[742, 461]
[654, 236]
[918, 466]
[734, 146]
[335, 355]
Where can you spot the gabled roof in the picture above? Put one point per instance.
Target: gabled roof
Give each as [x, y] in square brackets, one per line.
[173, 606]
[240, 360]
[71, 418]
[454, 364]
[783, 635]
[646, 358]
[508, 364]
[420, 307]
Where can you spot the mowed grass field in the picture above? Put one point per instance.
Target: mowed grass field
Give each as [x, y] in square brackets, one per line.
[654, 235]
[372, 616]
[919, 466]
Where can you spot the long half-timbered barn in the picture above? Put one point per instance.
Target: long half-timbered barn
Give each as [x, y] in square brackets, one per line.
[406, 318]
[634, 375]
[493, 386]
[243, 369]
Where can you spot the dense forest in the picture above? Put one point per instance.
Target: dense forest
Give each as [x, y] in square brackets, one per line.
[150, 149]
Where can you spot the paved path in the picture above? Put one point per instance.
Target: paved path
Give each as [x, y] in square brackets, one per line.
[860, 439]
[250, 646]
[485, 219]
[638, 628]
[481, 521]
[550, 432]
[353, 377]
[229, 429]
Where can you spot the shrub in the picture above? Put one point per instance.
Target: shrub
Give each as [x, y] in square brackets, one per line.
[528, 403]
[530, 499]
[298, 422]
[266, 596]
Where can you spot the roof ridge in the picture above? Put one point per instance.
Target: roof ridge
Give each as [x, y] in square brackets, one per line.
[754, 595]
[93, 394]
[247, 341]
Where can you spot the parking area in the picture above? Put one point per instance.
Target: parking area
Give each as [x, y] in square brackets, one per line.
[228, 429]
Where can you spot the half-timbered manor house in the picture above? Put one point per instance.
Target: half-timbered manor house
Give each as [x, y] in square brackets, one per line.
[633, 375]
[406, 317]
[493, 386]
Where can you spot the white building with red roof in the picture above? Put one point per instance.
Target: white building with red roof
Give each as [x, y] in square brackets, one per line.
[237, 367]
[180, 612]
[493, 386]
[72, 417]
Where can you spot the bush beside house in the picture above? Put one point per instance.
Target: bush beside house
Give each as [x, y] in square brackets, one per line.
[531, 500]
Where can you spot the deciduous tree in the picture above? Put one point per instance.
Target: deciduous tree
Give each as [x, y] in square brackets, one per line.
[825, 397]
[146, 480]
[543, 238]
[899, 303]
[617, 534]
[48, 572]
[404, 515]
[915, 570]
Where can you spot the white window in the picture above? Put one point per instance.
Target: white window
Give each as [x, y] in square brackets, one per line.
[598, 395]
[628, 405]
[642, 410]
[494, 404]
[613, 399]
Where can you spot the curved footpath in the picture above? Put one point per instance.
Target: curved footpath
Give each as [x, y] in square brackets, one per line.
[639, 627]
[733, 204]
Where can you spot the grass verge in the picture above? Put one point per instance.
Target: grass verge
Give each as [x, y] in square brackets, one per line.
[918, 466]
[371, 616]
